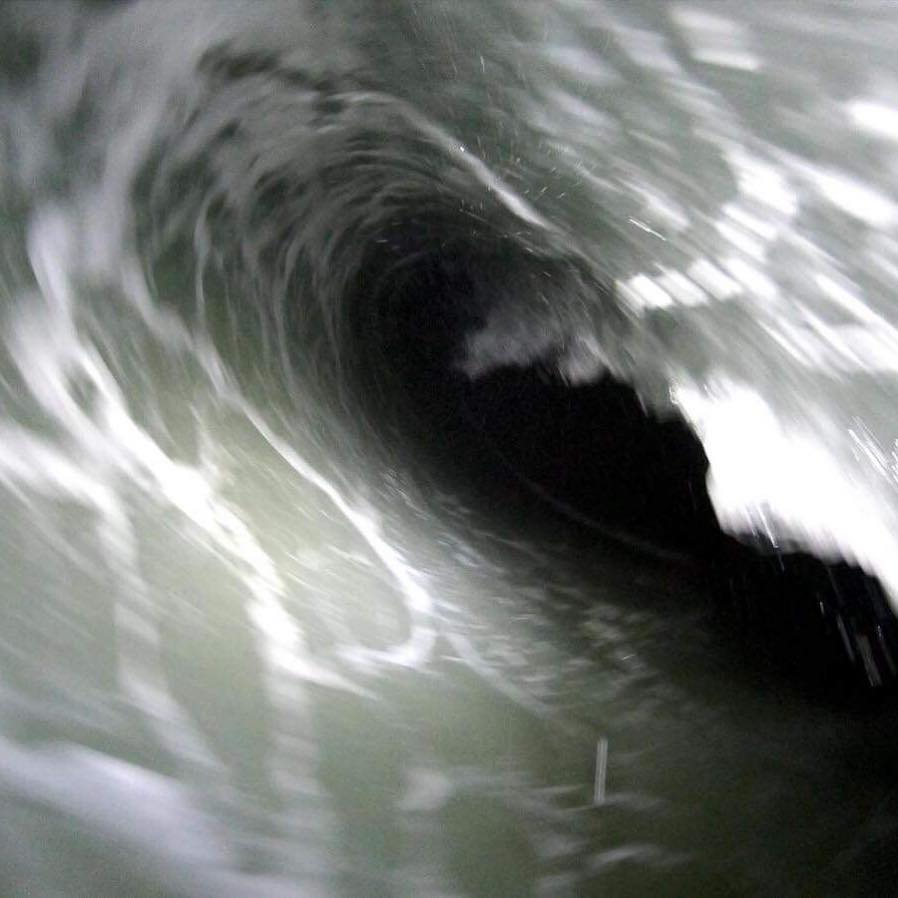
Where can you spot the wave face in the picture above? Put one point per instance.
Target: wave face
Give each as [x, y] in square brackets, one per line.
[338, 338]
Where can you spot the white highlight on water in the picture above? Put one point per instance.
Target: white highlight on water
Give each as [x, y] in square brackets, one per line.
[415, 651]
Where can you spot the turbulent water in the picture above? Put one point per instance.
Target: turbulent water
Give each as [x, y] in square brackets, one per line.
[261, 634]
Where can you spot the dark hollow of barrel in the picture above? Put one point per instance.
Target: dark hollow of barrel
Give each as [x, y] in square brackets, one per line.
[591, 459]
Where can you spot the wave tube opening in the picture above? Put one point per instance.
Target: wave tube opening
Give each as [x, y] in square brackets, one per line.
[544, 453]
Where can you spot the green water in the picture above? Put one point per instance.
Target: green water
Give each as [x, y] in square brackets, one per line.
[258, 635]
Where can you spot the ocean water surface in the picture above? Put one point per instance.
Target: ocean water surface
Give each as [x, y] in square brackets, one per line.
[448, 449]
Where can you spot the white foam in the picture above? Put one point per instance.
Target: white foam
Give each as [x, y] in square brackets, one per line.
[874, 117]
[787, 480]
[641, 292]
[862, 201]
[715, 39]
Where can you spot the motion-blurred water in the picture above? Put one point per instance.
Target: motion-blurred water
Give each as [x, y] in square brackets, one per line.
[251, 643]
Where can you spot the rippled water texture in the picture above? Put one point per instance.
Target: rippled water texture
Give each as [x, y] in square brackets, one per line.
[336, 558]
